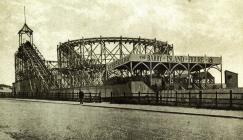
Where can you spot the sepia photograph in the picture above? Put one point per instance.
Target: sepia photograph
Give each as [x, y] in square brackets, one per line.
[121, 70]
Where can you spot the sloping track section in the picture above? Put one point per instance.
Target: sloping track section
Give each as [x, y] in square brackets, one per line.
[31, 70]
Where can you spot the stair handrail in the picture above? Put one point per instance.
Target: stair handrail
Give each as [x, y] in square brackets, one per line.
[38, 52]
[40, 75]
[41, 62]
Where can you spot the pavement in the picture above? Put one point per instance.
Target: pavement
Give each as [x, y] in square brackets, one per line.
[231, 114]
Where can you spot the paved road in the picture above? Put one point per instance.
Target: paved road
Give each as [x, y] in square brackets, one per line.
[68, 120]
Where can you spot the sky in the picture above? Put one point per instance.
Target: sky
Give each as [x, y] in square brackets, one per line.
[195, 27]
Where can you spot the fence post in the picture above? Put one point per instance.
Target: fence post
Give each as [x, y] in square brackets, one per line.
[111, 97]
[216, 99]
[176, 98]
[100, 96]
[200, 98]
[139, 95]
[230, 98]
[189, 98]
[166, 96]
[157, 97]
[90, 97]
[124, 97]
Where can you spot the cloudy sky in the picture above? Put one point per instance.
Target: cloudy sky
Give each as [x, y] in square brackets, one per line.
[195, 27]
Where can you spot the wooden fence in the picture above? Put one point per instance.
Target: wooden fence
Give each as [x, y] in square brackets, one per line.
[196, 98]
[225, 99]
[88, 97]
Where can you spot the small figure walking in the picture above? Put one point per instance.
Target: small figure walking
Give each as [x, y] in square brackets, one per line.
[81, 97]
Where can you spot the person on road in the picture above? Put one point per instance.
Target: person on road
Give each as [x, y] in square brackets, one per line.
[81, 97]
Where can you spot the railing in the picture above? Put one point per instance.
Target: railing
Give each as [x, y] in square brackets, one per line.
[6, 95]
[38, 52]
[195, 98]
[39, 61]
[88, 97]
[40, 73]
[117, 39]
[38, 56]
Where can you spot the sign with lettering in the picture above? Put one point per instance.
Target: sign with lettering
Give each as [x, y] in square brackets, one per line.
[164, 59]
[176, 59]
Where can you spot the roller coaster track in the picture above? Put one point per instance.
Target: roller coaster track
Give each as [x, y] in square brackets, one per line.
[117, 39]
[74, 57]
[102, 51]
[38, 63]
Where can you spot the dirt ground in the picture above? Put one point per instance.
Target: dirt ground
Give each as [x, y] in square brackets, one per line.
[25, 120]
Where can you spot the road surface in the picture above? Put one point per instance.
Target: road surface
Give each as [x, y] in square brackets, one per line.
[29, 120]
